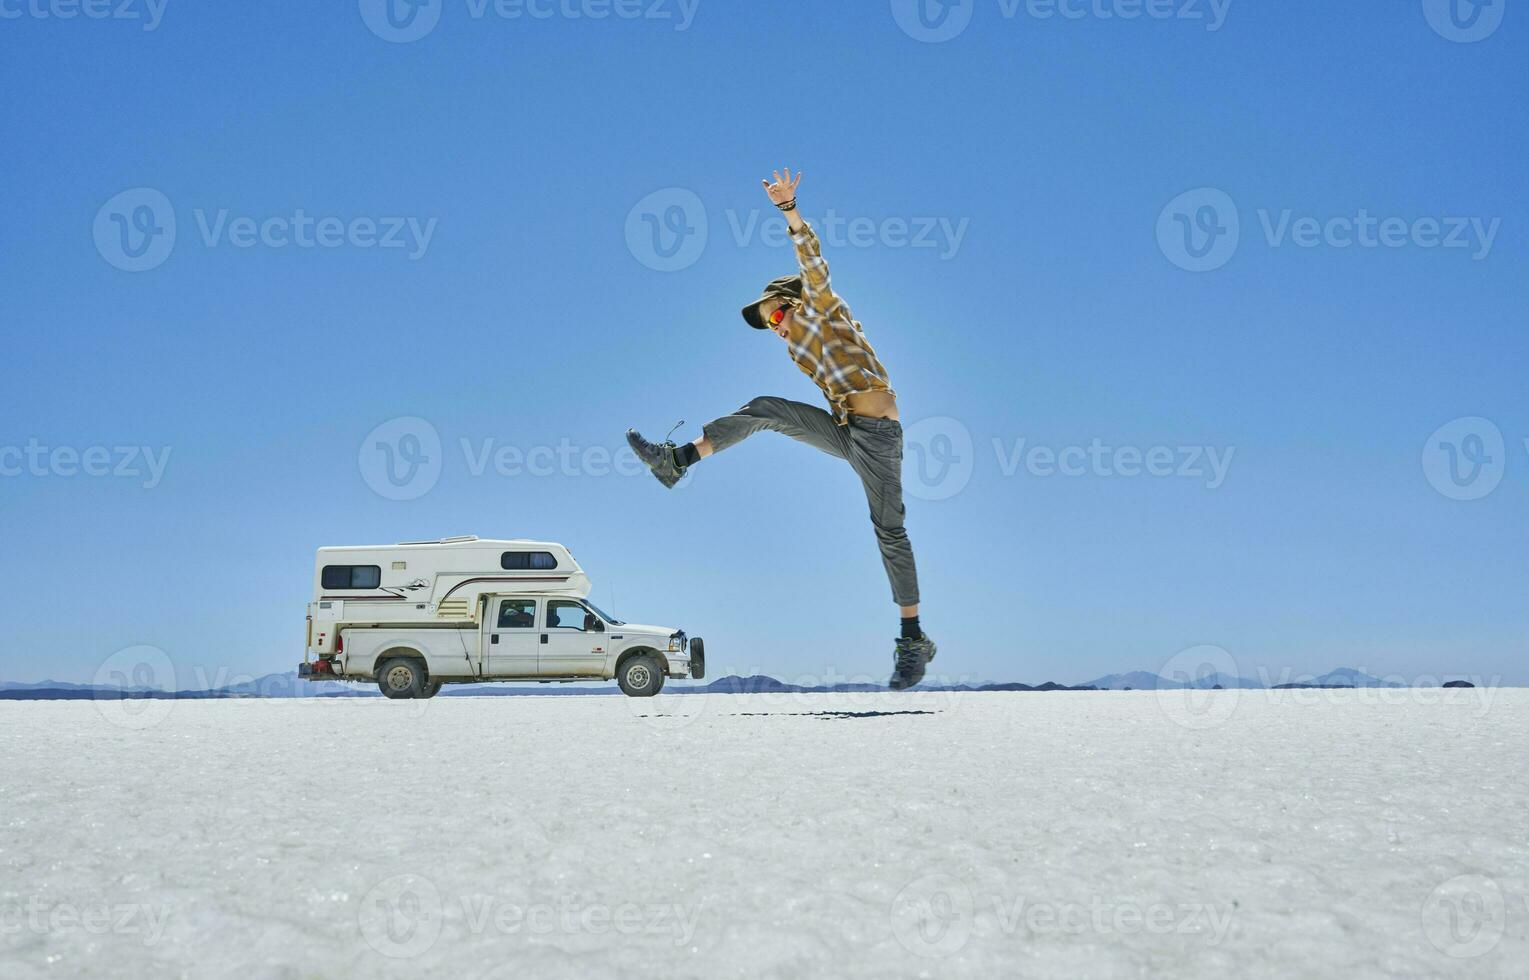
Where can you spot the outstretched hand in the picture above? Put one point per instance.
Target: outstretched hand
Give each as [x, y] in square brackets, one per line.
[782, 190]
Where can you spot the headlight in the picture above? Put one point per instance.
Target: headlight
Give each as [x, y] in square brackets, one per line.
[674, 646]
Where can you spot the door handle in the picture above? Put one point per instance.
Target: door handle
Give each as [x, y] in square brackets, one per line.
[494, 638]
[544, 637]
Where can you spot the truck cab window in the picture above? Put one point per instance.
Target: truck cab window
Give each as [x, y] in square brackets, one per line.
[565, 615]
[517, 614]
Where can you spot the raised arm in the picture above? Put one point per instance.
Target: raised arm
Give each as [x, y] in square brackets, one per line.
[817, 293]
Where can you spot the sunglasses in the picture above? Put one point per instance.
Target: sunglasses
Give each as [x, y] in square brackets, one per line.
[779, 316]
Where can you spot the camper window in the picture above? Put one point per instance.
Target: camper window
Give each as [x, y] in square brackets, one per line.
[522, 561]
[352, 576]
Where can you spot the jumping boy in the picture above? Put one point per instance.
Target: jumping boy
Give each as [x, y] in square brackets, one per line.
[829, 346]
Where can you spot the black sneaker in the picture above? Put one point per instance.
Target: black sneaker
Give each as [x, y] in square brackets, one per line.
[658, 457]
[909, 662]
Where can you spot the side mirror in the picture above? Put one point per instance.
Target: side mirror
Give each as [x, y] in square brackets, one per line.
[599, 626]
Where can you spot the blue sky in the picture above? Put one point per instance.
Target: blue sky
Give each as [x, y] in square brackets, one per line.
[1011, 207]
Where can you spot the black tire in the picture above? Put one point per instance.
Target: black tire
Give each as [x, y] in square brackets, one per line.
[641, 676]
[401, 678]
[697, 659]
[431, 689]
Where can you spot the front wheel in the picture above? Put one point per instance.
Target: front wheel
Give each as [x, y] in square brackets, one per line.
[641, 676]
[400, 679]
[431, 689]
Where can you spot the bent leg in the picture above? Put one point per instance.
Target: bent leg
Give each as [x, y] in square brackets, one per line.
[804, 423]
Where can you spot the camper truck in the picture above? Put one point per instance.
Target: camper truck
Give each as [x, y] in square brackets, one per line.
[417, 615]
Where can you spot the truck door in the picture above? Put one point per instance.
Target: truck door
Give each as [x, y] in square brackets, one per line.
[510, 647]
[572, 641]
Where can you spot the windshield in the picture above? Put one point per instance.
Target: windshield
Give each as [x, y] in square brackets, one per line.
[612, 620]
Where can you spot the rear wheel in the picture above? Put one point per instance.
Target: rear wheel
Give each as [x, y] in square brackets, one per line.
[431, 689]
[641, 676]
[400, 678]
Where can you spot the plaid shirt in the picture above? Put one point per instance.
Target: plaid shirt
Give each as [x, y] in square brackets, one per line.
[825, 341]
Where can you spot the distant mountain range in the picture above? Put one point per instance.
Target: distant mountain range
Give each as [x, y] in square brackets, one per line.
[289, 685]
[1141, 680]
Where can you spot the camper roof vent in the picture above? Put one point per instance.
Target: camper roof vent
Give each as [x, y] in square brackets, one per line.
[459, 538]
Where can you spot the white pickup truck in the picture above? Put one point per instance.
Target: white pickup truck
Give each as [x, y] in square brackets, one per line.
[415, 616]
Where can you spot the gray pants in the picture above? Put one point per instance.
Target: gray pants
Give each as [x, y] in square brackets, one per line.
[872, 447]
